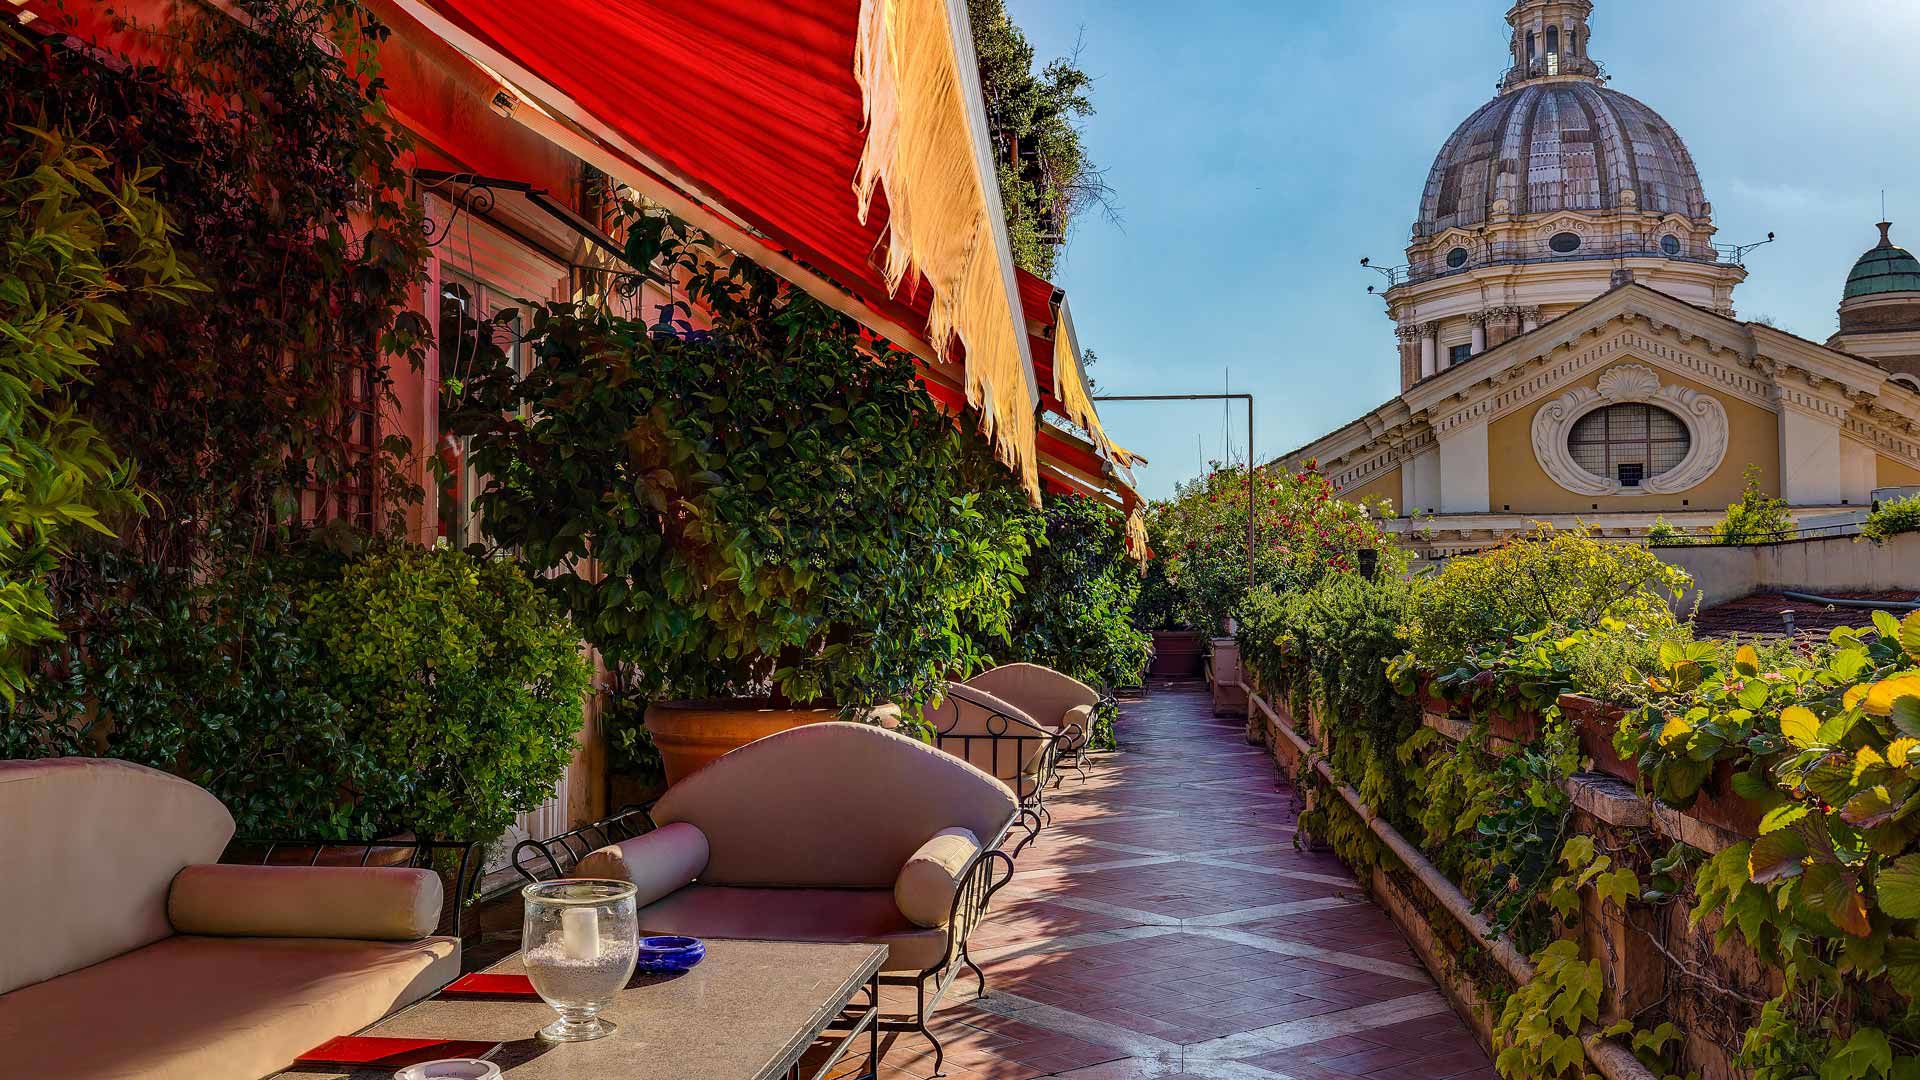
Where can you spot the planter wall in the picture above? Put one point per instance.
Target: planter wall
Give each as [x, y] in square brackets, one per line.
[1229, 696]
[1637, 973]
[1178, 654]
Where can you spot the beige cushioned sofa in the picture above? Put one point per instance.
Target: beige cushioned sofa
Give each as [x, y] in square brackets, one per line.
[127, 954]
[1052, 699]
[826, 832]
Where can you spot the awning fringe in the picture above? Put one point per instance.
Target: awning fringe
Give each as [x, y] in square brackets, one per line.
[920, 151]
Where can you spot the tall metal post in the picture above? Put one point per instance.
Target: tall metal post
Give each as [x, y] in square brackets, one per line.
[1252, 502]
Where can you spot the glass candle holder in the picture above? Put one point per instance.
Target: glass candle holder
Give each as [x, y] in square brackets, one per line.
[577, 944]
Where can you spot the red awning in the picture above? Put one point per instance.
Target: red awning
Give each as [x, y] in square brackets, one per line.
[795, 132]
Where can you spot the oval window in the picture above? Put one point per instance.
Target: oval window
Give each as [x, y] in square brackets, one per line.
[1629, 443]
[1457, 258]
[1670, 245]
[1565, 243]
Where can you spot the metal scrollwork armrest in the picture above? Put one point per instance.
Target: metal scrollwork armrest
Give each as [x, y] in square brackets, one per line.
[561, 853]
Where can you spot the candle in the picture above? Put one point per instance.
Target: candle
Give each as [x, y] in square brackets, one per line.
[580, 934]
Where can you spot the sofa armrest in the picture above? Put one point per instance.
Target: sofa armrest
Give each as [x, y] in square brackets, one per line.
[370, 903]
[931, 877]
[657, 863]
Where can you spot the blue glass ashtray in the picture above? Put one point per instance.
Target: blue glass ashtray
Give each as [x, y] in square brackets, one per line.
[669, 955]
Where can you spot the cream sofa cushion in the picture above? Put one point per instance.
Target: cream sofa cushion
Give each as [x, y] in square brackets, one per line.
[376, 903]
[657, 862]
[838, 915]
[1080, 717]
[1044, 693]
[990, 733]
[202, 1008]
[92, 845]
[835, 805]
[926, 886]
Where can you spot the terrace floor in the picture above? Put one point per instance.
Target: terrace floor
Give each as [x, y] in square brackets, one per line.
[1165, 926]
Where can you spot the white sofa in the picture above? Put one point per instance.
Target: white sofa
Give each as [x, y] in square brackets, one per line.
[129, 955]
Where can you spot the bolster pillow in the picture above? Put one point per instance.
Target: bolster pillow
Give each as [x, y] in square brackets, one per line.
[658, 863]
[1080, 716]
[927, 883]
[369, 903]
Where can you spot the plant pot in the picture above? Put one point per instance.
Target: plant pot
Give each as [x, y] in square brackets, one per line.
[690, 734]
[400, 854]
[1178, 654]
[1595, 722]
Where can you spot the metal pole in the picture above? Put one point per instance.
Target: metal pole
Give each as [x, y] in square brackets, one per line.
[1252, 501]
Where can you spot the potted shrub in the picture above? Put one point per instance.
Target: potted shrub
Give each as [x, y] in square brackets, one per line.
[762, 523]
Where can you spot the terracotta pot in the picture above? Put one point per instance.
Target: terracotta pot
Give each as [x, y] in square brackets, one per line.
[1595, 721]
[690, 734]
[1178, 654]
[347, 854]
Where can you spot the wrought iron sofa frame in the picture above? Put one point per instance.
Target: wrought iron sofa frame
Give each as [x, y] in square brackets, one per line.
[1009, 735]
[462, 858]
[978, 882]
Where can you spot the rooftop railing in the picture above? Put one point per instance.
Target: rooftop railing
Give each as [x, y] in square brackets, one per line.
[1465, 260]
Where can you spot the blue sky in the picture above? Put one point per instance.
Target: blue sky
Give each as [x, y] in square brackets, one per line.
[1259, 148]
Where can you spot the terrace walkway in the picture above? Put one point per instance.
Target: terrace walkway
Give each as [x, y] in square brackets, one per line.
[1164, 926]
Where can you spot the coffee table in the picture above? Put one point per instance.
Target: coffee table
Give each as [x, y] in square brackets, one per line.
[749, 1011]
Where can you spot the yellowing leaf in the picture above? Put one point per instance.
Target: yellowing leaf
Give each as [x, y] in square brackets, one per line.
[1882, 695]
[1746, 661]
[1855, 695]
[1898, 750]
[1799, 725]
[1675, 730]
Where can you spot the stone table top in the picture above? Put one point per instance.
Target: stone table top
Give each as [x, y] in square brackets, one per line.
[747, 1012]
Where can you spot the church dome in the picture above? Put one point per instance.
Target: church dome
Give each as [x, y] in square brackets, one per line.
[1553, 145]
[1885, 269]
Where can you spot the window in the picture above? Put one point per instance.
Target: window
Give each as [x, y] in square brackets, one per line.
[1553, 50]
[1630, 443]
[1671, 245]
[1459, 354]
[477, 326]
[1457, 258]
[1565, 243]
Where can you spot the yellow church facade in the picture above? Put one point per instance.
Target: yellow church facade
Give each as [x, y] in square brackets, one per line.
[1568, 344]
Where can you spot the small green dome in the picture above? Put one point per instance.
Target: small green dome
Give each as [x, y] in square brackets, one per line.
[1885, 269]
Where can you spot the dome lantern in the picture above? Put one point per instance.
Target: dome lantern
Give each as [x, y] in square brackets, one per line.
[1549, 42]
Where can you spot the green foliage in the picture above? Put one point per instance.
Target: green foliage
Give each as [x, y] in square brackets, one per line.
[1046, 177]
[1891, 518]
[1559, 579]
[461, 677]
[1301, 531]
[1075, 611]
[1757, 518]
[274, 157]
[81, 239]
[316, 695]
[773, 507]
[1665, 534]
[1326, 645]
[1538, 1033]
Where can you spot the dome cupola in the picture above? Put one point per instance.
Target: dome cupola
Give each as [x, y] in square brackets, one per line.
[1884, 269]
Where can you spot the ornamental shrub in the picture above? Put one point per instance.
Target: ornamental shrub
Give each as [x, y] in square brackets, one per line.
[1301, 530]
[770, 508]
[1562, 579]
[318, 695]
[1075, 611]
[1891, 518]
[462, 681]
[1758, 518]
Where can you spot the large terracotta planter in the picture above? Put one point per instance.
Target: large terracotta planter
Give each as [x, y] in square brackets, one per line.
[689, 734]
[1717, 804]
[1178, 654]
